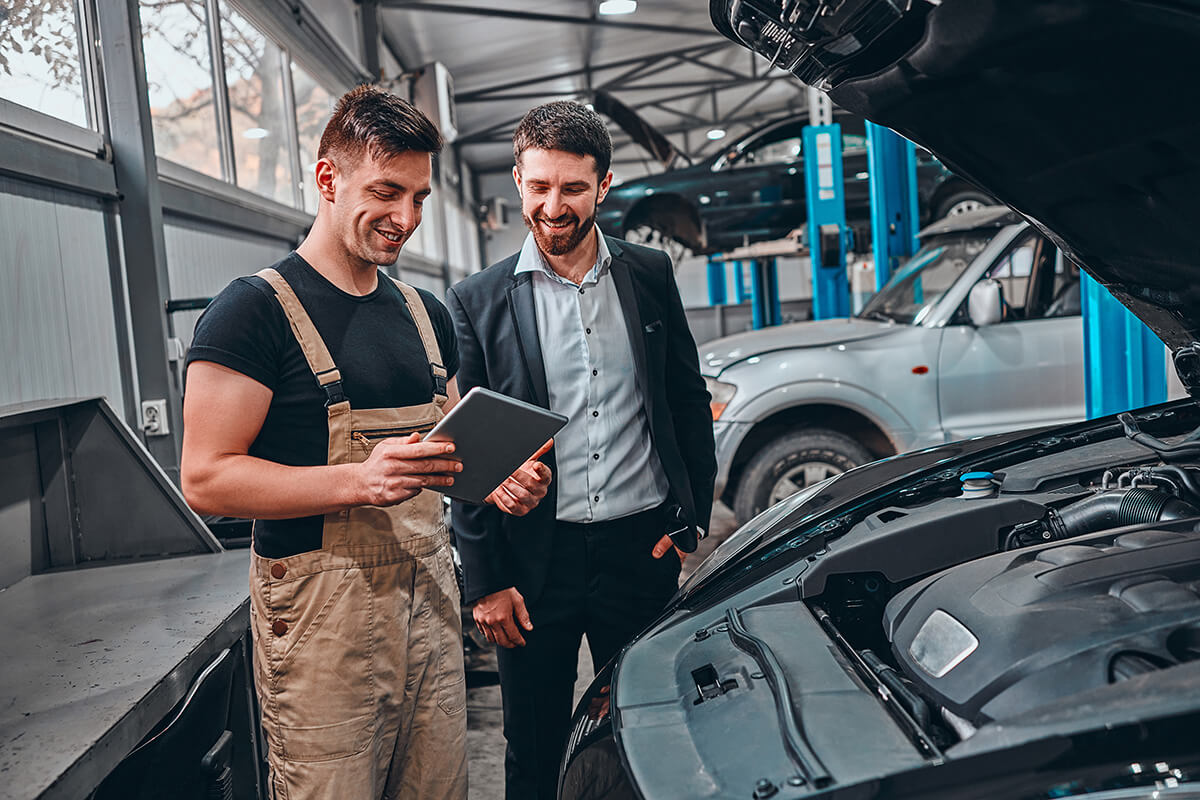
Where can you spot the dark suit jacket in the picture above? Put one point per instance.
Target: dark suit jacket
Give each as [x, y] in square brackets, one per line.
[495, 319]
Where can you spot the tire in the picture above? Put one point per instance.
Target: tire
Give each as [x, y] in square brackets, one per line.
[962, 201]
[792, 462]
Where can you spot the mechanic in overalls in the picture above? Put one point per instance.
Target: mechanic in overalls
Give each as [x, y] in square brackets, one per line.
[308, 388]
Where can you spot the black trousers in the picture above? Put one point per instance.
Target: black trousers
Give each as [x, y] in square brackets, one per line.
[603, 582]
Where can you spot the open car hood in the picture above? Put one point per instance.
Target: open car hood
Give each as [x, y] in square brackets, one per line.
[1078, 114]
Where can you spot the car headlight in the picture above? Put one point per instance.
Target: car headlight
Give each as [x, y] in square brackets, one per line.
[722, 393]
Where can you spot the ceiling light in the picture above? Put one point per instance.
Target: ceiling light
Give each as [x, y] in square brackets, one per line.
[618, 7]
[256, 133]
[716, 133]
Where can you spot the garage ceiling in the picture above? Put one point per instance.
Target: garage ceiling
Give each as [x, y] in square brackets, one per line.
[665, 60]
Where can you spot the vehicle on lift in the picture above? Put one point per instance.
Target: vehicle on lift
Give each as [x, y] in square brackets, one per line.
[909, 629]
[753, 190]
[928, 360]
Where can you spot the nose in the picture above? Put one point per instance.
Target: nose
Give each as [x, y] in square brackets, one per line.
[554, 206]
[403, 216]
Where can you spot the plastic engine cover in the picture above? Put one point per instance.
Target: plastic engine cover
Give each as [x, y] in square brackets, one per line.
[1004, 634]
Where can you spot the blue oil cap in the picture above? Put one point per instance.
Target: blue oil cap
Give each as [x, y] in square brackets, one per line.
[978, 476]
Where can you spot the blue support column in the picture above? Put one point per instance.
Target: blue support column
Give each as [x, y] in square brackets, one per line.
[1124, 362]
[892, 164]
[716, 282]
[765, 308]
[741, 291]
[824, 190]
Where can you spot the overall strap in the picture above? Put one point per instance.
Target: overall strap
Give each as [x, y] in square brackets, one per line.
[424, 327]
[311, 344]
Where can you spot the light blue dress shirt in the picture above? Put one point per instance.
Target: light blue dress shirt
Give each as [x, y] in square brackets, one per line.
[607, 468]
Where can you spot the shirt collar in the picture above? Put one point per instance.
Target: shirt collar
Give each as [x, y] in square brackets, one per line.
[531, 260]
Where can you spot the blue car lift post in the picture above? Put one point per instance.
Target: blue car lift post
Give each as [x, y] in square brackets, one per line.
[825, 199]
[1124, 363]
[892, 164]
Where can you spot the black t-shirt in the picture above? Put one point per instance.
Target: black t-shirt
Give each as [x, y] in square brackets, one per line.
[373, 341]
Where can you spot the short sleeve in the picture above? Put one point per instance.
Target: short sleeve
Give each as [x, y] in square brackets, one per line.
[241, 330]
[443, 329]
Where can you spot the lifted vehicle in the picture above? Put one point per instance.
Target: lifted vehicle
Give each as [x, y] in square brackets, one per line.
[753, 190]
[913, 628]
[977, 333]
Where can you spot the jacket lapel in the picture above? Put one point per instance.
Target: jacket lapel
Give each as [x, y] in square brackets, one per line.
[623, 278]
[524, 318]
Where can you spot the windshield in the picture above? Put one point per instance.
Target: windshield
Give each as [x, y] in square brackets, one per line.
[916, 287]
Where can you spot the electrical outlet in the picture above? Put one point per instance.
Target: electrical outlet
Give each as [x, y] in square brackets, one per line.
[154, 418]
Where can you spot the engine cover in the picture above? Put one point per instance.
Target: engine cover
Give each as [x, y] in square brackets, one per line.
[1004, 634]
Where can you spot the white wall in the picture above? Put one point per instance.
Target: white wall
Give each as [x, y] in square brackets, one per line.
[58, 330]
[203, 259]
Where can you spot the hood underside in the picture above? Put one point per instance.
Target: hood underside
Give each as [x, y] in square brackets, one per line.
[1080, 115]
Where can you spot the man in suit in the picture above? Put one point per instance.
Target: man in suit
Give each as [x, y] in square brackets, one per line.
[593, 328]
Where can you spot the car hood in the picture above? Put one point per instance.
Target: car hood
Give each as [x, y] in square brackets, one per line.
[719, 354]
[1024, 97]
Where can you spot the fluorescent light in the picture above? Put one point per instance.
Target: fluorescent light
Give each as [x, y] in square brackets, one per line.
[716, 133]
[256, 133]
[618, 7]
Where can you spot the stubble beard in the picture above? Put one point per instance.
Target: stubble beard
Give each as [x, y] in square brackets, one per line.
[559, 244]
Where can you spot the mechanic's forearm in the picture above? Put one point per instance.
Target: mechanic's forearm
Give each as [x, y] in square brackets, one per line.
[253, 488]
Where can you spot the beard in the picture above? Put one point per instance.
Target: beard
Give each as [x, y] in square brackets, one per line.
[559, 244]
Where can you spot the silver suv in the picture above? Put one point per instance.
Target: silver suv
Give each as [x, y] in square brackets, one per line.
[977, 333]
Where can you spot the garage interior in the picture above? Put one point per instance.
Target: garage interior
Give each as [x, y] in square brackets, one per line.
[151, 151]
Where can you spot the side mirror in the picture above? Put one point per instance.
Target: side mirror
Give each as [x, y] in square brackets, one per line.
[985, 304]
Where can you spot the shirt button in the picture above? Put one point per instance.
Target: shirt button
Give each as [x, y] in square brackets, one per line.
[279, 628]
[596, 498]
[595, 372]
[595, 456]
[278, 571]
[589, 330]
[595, 413]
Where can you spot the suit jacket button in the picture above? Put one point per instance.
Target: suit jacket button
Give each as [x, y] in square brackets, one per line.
[278, 571]
[279, 628]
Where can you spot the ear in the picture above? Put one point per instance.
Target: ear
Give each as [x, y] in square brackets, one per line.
[517, 177]
[326, 175]
[605, 184]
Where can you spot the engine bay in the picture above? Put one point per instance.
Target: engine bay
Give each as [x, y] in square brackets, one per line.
[1040, 580]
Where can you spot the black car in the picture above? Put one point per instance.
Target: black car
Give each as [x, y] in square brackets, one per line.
[754, 191]
[1016, 616]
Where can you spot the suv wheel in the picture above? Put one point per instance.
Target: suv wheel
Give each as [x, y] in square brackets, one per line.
[962, 201]
[791, 463]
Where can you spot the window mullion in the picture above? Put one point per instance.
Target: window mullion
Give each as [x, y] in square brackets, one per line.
[293, 132]
[221, 92]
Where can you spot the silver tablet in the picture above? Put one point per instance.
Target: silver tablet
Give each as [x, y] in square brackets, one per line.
[493, 435]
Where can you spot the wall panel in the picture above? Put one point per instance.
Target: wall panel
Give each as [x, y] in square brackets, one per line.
[203, 259]
[57, 322]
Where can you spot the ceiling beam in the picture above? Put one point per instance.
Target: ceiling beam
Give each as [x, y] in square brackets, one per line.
[536, 16]
[474, 94]
[715, 67]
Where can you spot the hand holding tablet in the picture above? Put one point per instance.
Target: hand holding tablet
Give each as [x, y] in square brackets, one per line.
[493, 435]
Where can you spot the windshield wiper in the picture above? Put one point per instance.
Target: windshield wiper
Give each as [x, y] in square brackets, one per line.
[879, 315]
[793, 735]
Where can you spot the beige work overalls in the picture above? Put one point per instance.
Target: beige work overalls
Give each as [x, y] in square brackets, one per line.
[358, 646]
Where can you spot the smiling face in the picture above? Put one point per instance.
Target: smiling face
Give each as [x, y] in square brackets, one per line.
[375, 206]
[559, 194]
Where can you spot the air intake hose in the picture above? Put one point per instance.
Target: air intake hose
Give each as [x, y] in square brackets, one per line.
[1117, 508]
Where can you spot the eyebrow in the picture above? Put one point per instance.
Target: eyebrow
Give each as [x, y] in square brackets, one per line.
[571, 185]
[386, 184]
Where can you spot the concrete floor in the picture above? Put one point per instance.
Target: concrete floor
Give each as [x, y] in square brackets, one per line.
[485, 741]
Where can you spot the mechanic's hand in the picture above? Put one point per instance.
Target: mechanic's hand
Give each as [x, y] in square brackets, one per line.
[398, 469]
[524, 489]
[497, 617]
[663, 546]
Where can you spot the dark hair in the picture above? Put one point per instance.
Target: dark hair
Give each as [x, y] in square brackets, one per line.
[564, 125]
[368, 119]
